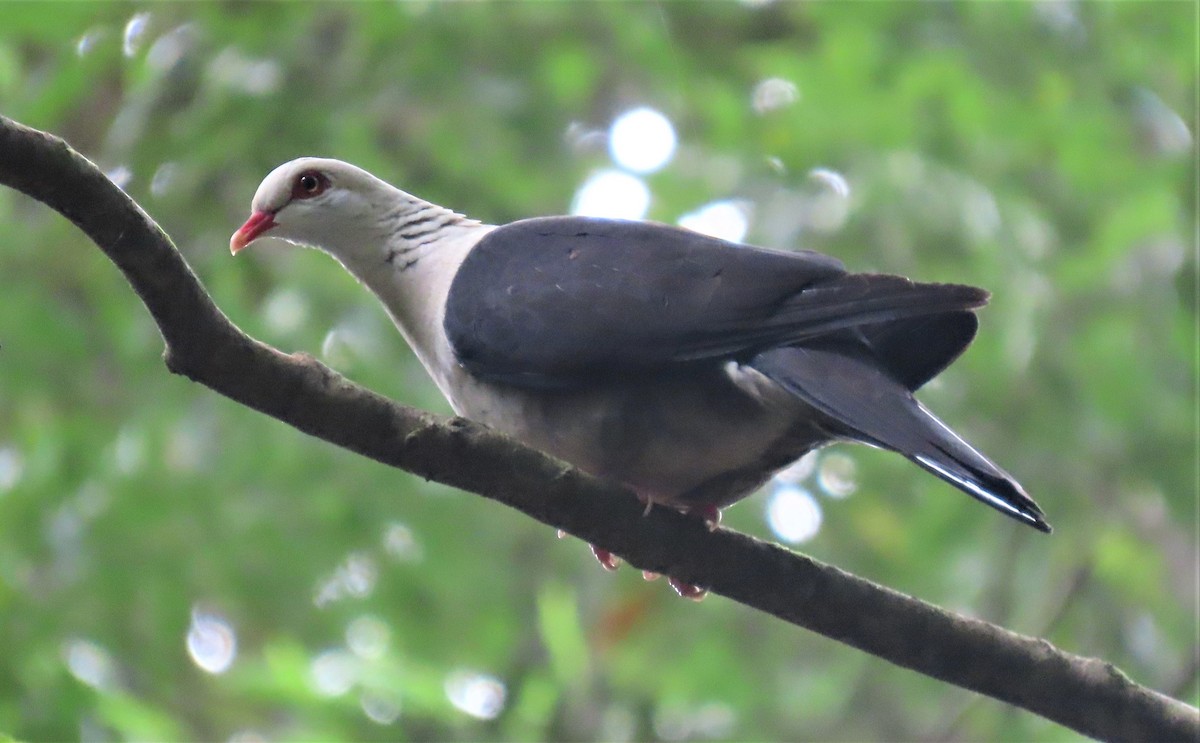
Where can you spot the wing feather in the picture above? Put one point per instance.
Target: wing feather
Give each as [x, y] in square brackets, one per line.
[556, 301]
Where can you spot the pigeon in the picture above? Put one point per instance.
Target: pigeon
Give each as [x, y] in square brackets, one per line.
[687, 368]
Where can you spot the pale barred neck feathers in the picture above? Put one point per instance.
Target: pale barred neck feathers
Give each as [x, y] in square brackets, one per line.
[407, 255]
[413, 228]
[409, 262]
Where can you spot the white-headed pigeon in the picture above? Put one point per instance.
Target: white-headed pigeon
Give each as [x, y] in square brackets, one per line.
[688, 368]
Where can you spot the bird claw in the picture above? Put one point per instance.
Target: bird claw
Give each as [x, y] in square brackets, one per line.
[687, 590]
[646, 501]
[607, 560]
[710, 514]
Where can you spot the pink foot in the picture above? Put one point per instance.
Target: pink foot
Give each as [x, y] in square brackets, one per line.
[607, 560]
[687, 590]
[645, 499]
[710, 513]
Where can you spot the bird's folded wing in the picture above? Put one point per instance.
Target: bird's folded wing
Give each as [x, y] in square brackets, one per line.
[555, 301]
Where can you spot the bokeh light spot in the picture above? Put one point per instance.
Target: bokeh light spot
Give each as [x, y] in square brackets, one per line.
[88, 42]
[1162, 129]
[832, 180]
[89, 663]
[712, 721]
[368, 637]
[334, 672]
[354, 578]
[379, 709]
[793, 514]
[641, 140]
[135, 32]
[477, 694]
[836, 475]
[130, 450]
[286, 311]
[612, 194]
[12, 466]
[726, 220]
[168, 49]
[211, 641]
[828, 196]
[798, 471]
[120, 176]
[162, 180]
[773, 93]
[401, 544]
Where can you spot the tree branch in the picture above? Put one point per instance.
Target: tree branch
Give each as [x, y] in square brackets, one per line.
[1088, 695]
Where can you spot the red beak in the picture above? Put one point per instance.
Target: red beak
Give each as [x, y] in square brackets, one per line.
[258, 223]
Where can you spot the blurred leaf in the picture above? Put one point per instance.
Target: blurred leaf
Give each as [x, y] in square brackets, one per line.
[558, 619]
[134, 719]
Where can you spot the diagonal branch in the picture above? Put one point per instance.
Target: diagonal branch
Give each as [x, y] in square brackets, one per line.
[1088, 695]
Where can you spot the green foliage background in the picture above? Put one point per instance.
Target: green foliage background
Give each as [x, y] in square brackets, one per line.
[1043, 151]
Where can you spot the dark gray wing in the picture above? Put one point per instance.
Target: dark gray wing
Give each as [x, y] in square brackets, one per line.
[555, 301]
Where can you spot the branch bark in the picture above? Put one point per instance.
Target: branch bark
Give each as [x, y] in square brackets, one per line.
[1085, 694]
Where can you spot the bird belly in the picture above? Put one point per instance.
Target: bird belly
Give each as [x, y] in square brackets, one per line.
[707, 436]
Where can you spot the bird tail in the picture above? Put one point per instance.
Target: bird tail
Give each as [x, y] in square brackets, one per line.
[866, 404]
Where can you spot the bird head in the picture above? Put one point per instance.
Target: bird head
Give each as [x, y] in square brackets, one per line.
[315, 202]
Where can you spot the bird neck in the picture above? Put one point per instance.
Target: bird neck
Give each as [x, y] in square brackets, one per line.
[409, 265]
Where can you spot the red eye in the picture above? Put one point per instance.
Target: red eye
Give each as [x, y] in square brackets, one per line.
[308, 184]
